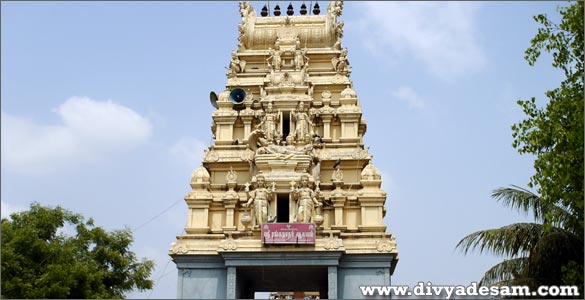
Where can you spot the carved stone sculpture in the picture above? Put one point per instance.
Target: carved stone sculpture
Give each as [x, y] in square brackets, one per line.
[338, 35]
[334, 9]
[260, 144]
[304, 126]
[260, 197]
[306, 200]
[301, 59]
[236, 65]
[341, 64]
[269, 124]
[274, 60]
[246, 9]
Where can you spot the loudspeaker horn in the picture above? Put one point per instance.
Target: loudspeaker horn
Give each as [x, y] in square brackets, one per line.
[213, 99]
[237, 96]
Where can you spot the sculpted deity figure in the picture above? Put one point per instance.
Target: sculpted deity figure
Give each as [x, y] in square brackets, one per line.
[260, 197]
[235, 65]
[303, 124]
[341, 64]
[301, 59]
[261, 145]
[269, 124]
[274, 59]
[306, 200]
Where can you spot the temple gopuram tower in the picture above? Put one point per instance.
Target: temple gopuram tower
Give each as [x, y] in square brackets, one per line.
[287, 198]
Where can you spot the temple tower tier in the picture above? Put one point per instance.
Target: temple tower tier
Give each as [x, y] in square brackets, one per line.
[287, 198]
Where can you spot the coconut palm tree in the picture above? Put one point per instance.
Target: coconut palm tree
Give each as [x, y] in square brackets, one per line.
[535, 252]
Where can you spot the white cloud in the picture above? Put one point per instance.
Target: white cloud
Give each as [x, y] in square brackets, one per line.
[440, 34]
[7, 209]
[408, 95]
[188, 151]
[90, 129]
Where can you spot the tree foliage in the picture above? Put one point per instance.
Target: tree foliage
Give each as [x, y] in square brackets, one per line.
[554, 133]
[535, 255]
[39, 260]
[550, 251]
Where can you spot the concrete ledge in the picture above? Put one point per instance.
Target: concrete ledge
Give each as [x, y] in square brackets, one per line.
[330, 258]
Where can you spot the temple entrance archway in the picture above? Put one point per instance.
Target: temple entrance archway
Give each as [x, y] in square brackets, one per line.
[292, 279]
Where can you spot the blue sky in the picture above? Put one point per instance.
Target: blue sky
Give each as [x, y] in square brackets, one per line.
[105, 112]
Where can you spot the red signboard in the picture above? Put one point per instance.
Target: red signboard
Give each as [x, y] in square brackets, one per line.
[288, 233]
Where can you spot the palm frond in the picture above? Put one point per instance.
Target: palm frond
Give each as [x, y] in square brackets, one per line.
[505, 272]
[554, 249]
[525, 201]
[511, 241]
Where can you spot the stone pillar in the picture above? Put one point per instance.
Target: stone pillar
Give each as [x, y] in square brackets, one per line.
[326, 127]
[224, 118]
[230, 199]
[231, 283]
[349, 127]
[247, 116]
[229, 215]
[332, 282]
[338, 203]
[338, 198]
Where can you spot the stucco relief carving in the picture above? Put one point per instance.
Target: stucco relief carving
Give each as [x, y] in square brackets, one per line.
[269, 124]
[384, 246]
[335, 9]
[337, 175]
[179, 249]
[211, 156]
[274, 60]
[236, 65]
[287, 33]
[248, 15]
[260, 197]
[332, 243]
[341, 63]
[232, 176]
[303, 125]
[306, 200]
[340, 79]
[338, 35]
[234, 81]
[247, 155]
[326, 95]
[228, 244]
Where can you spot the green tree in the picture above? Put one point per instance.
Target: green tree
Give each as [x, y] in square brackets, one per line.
[554, 133]
[40, 261]
[550, 251]
[535, 253]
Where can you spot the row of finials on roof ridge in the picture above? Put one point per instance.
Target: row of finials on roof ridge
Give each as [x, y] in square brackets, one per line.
[290, 10]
